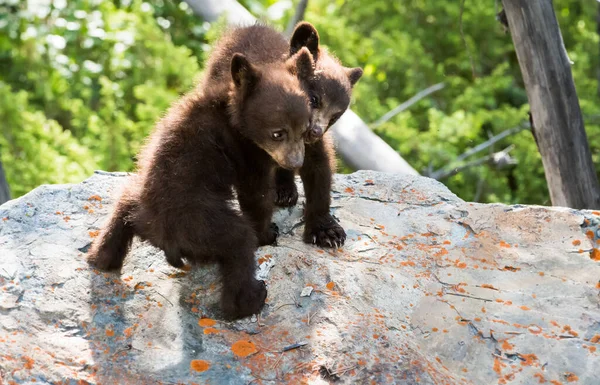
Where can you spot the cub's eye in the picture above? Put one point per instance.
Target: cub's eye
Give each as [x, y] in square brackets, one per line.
[314, 101]
[278, 135]
[334, 119]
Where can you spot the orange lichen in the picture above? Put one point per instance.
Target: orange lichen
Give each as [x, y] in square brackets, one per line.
[486, 286]
[497, 366]
[507, 346]
[530, 359]
[505, 245]
[590, 234]
[266, 258]
[576, 242]
[127, 332]
[110, 333]
[243, 348]
[524, 308]
[595, 339]
[330, 285]
[571, 377]
[199, 365]
[349, 190]
[540, 377]
[94, 234]
[206, 322]
[211, 331]
[595, 255]
[28, 362]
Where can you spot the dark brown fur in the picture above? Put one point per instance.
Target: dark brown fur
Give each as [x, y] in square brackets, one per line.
[216, 139]
[329, 91]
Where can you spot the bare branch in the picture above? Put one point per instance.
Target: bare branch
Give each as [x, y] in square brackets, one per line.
[404, 106]
[298, 17]
[499, 159]
[493, 140]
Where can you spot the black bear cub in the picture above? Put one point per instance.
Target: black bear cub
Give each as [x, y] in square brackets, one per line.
[329, 91]
[220, 137]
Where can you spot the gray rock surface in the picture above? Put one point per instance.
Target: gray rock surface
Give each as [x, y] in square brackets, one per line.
[428, 289]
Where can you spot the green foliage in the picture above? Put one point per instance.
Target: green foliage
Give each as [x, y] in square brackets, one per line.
[36, 149]
[92, 79]
[83, 82]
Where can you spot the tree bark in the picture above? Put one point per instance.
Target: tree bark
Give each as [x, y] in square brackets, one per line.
[557, 119]
[358, 146]
[4, 190]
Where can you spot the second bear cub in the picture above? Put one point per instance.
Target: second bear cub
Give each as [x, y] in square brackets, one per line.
[220, 137]
[329, 91]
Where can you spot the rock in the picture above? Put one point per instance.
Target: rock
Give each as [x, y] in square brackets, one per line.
[427, 289]
[307, 291]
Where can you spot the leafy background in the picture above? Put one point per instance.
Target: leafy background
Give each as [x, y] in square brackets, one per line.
[83, 81]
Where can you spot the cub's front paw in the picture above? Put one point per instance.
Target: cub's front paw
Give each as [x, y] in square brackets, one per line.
[269, 237]
[324, 232]
[286, 195]
[244, 300]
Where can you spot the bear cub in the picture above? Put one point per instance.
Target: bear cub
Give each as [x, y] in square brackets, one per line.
[221, 137]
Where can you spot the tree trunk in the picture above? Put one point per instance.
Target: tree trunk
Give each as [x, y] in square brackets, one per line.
[358, 146]
[361, 149]
[557, 120]
[211, 10]
[4, 191]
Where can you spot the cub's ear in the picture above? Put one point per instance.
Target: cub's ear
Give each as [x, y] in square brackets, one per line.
[243, 73]
[353, 74]
[302, 64]
[305, 35]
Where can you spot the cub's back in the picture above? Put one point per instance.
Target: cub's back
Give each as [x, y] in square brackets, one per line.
[261, 44]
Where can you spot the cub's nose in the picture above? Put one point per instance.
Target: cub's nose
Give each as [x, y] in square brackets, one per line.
[313, 134]
[316, 131]
[295, 161]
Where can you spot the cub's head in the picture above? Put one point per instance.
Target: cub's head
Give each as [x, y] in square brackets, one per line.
[330, 89]
[269, 105]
